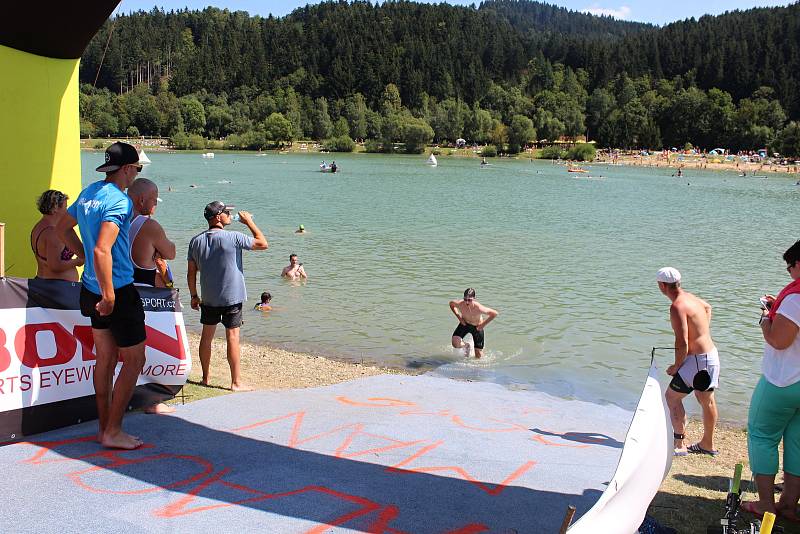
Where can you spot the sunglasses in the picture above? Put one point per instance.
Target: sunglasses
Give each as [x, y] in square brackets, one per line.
[138, 168]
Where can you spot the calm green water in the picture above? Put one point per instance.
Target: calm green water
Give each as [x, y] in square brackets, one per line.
[568, 261]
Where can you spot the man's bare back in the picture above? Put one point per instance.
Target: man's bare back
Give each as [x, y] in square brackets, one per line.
[697, 316]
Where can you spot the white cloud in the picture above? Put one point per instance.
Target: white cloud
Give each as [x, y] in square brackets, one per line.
[622, 12]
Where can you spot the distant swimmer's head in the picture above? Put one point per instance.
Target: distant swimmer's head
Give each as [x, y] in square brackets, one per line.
[670, 276]
[302, 228]
[469, 294]
[266, 297]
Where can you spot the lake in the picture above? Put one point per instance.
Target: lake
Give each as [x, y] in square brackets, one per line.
[569, 261]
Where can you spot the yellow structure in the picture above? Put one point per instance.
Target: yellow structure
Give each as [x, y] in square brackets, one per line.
[40, 49]
[39, 144]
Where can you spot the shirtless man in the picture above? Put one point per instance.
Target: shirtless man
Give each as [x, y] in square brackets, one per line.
[294, 271]
[469, 313]
[148, 239]
[696, 366]
[149, 242]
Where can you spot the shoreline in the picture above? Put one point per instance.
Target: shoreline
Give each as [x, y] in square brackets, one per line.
[654, 161]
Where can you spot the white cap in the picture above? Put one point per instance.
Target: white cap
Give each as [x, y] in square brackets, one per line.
[668, 275]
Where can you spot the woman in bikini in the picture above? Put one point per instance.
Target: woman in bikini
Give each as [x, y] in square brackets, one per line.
[54, 260]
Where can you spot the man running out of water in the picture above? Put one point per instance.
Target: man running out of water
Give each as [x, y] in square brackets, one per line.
[470, 314]
[696, 366]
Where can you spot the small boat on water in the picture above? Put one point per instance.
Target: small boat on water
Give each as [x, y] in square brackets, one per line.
[576, 169]
[143, 159]
[208, 155]
[328, 167]
[432, 161]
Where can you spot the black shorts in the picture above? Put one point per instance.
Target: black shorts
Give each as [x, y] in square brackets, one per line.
[229, 316]
[464, 329]
[679, 384]
[126, 321]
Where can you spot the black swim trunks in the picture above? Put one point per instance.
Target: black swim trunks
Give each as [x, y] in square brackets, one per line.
[126, 321]
[229, 316]
[464, 329]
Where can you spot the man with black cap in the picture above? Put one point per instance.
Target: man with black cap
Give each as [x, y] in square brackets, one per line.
[696, 366]
[103, 214]
[217, 254]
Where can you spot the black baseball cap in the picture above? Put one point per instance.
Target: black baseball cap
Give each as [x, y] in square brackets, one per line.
[117, 155]
[215, 208]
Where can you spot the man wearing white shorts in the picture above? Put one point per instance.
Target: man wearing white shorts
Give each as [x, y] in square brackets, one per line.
[696, 366]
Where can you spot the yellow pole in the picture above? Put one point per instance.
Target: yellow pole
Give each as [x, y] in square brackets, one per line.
[767, 523]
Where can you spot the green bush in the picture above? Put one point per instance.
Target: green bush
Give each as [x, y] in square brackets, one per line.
[180, 141]
[197, 142]
[552, 152]
[100, 145]
[253, 140]
[132, 131]
[87, 129]
[215, 144]
[372, 146]
[233, 141]
[342, 143]
[489, 151]
[582, 152]
[436, 152]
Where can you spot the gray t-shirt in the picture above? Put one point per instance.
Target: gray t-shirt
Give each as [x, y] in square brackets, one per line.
[218, 255]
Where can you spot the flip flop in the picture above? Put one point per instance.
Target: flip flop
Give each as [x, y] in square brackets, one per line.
[676, 452]
[697, 449]
[750, 507]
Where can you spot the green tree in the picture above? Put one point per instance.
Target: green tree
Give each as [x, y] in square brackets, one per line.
[322, 125]
[479, 125]
[416, 134]
[277, 128]
[194, 114]
[341, 143]
[788, 140]
[355, 111]
[341, 128]
[520, 133]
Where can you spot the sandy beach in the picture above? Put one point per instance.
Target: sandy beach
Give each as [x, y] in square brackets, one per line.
[265, 367]
[698, 161]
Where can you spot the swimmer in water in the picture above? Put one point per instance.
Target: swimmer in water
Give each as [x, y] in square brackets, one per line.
[264, 305]
[300, 230]
[470, 314]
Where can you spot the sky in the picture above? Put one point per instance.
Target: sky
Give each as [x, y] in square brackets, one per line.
[653, 11]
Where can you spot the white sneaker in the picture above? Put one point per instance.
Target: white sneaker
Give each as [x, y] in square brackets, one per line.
[467, 349]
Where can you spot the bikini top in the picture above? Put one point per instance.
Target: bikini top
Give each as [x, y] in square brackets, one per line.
[66, 253]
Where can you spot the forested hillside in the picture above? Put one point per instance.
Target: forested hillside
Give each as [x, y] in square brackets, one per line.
[507, 72]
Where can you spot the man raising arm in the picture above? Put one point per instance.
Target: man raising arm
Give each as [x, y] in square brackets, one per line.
[217, 255]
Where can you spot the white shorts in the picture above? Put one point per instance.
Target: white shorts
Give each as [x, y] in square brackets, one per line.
[694, 363]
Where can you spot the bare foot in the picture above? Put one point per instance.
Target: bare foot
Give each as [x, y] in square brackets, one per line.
[240, 387]
[159, 409]
[99, 437]
[204, 382]
[121, 440]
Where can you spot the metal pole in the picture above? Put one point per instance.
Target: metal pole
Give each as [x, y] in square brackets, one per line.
[567, 519]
